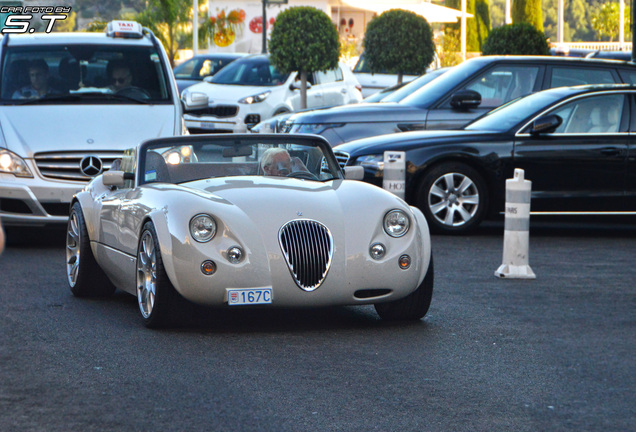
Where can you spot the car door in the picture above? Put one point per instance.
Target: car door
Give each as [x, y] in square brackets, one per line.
[334, 88]
[315, 97]
[630, 188]
[582, 165]
[497, 85]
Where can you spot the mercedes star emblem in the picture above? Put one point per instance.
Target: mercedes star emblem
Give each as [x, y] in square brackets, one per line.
[91, 166]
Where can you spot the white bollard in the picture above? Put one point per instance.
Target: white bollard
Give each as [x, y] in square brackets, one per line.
[394, 172]
[516, 229]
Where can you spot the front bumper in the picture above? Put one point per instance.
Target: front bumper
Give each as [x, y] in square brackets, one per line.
[35, 201]
[244, 117]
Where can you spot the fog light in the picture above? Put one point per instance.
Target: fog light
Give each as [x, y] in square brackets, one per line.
[234, 254]
[405, 262]
[208, 267]
[377, 251]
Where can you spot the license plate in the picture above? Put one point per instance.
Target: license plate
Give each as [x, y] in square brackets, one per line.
[207, 125]
[238, 297]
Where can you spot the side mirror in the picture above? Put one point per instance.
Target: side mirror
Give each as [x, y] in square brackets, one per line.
[354, 172]
[113, 178]
[116, 178]
[296, 85]
[546, 124]
[194, 100]
[465, 100]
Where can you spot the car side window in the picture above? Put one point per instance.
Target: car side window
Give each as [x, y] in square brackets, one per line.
[504, 83]
[571, 76]
[326, 77]
[628, 76]
[598, 114]
[128, 164]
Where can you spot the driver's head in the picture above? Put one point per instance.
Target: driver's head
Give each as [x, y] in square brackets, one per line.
[276, 162]
[121, 77]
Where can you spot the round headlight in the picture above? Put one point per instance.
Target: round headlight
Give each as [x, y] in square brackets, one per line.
[202, 228]
[234, 254]
[396, 223]
[377, 251]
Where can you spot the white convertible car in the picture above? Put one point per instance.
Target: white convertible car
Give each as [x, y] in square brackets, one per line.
[242, 220]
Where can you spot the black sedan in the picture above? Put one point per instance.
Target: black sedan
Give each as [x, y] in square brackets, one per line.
[194, 70]
[574, 143]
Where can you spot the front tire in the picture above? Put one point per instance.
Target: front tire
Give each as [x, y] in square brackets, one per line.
[157, 299]
[412, 307]
[453, 197]
[85, 277]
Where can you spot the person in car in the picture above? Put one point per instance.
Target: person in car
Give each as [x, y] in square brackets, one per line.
[277, 162]
[39, 78]
[121, 76]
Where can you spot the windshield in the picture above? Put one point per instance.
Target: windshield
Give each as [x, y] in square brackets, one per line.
[82, 74]
[514, 112]
[414, 85]
[432, 91]
[196, 159]
[254, 71]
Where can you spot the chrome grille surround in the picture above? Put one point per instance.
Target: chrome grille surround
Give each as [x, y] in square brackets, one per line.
[308, 248]
[342, 158]
[66, 165]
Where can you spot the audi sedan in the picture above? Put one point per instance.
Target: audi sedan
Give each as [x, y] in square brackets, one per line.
[575, 144]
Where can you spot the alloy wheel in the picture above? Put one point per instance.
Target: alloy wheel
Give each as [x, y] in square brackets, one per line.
[146, 274]
[72, 249]
[453, 199]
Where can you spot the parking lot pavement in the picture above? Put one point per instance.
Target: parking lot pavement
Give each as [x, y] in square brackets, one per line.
[551, 354]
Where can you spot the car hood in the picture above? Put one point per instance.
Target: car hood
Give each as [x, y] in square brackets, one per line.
[407, 140]
[33, 129]
[273, 200]
[363, 112]
[228, 91]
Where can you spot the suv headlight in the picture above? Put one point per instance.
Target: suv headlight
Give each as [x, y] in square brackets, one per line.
[312, 128]
[396, 223]
[11, 163]
[375, 162]
[255, 98]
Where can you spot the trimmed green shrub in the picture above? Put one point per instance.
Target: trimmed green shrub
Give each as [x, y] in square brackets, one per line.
[519, 39]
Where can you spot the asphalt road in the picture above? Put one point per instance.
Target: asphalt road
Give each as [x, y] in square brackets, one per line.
[553, 354]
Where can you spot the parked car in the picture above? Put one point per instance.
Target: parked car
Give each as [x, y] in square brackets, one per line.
[615, 55]
[194, 70]
[374, 82]
[241, 220]
[52, 145]
[251, 90]
[574, 144]
[460, 95]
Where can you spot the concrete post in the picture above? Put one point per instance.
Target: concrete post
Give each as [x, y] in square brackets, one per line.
[517, 229]
[394, 172]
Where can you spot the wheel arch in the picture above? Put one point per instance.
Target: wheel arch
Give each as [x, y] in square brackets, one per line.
[162, 230]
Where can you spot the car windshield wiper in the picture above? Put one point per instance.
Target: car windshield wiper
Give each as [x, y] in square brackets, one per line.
[76, 97]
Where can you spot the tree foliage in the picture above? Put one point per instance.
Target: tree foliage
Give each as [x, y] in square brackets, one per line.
[165, 18]
[519, 39]
[606, 21]
[528, 11]
[478, 27]
[400, 42]
[305, 40]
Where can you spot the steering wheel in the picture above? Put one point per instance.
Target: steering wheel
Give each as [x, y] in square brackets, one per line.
[134, 93]
[302, 175]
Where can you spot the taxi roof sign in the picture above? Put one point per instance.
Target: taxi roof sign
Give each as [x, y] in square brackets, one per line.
[124, 29]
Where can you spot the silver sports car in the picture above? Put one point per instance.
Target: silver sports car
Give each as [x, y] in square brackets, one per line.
[246, 220]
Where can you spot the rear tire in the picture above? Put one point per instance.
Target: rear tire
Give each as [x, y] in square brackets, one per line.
[85, 277]
[453, 197]
[412, 307]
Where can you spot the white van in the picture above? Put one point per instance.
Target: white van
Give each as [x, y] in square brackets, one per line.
[56, 137]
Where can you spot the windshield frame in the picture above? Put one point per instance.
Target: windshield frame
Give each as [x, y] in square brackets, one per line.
[235, 143]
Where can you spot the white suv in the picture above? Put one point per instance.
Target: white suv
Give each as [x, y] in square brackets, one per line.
[250, 90]
[52, 143]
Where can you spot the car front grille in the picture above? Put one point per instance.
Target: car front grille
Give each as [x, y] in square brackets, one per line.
[308, 248]
[342, 158]
[219, 111]
[67, 165]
